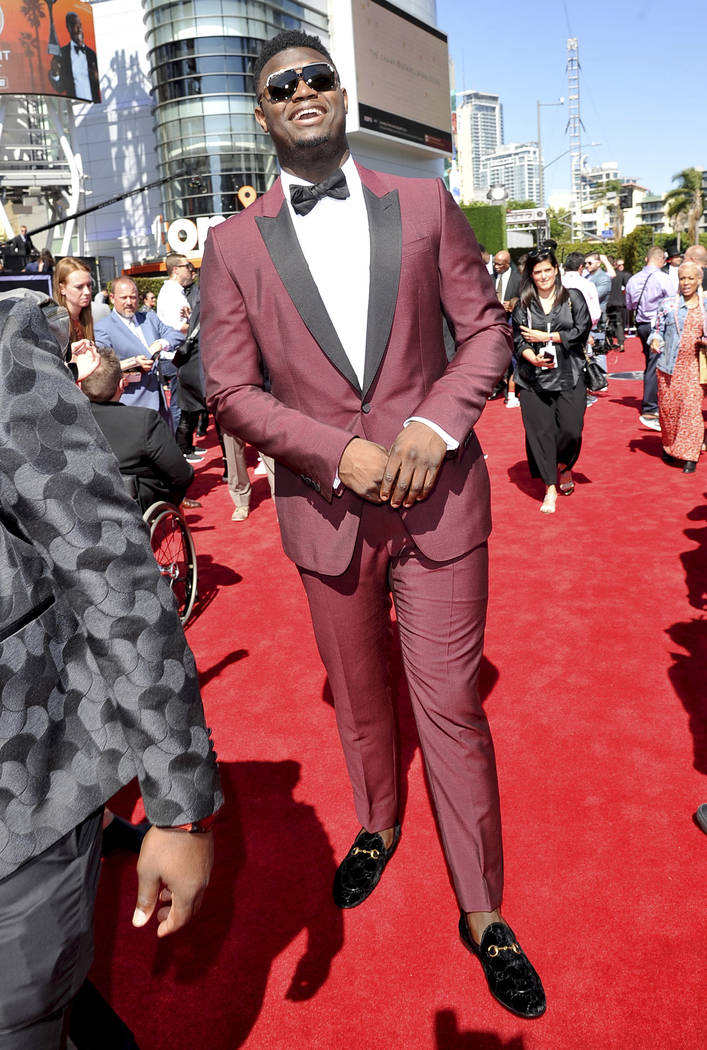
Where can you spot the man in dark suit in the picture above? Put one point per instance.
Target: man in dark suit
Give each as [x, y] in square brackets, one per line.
[23, 247]
[336, 281]
[142, 336]
[507, 283]
[74, 71]
[141, 440]
[97, 686]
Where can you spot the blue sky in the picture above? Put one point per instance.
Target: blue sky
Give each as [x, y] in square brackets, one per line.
[643, 79]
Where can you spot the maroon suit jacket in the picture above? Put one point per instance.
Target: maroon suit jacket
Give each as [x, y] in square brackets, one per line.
[259, 301]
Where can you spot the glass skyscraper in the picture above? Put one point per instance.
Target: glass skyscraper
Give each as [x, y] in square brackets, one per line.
[200, 54]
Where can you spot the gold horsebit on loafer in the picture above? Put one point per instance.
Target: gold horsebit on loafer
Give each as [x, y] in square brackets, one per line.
[371, 852]
[494, 949]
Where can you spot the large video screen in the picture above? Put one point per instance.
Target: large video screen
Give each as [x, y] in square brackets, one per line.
[402, 75]
[48, 47]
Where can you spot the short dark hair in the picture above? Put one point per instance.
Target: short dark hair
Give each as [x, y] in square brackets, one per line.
[285, 40]
[574, 261]
[72, 17]
[102, 384]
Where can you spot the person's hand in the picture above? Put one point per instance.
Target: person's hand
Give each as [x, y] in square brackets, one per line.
[174, 867]
[413, 465]
[156, 347]
[539, 360]
[534, 335]
[86, 358]
[145, 363]
[656, 347]
[361, 468]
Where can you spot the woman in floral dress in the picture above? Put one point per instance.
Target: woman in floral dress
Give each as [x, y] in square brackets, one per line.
[679, 331]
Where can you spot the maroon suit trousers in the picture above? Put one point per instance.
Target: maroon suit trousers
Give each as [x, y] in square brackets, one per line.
[441, 612]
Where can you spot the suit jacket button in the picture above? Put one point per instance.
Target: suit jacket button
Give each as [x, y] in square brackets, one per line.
[366, 407]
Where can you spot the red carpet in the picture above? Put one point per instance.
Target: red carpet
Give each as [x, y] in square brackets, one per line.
[594, 678]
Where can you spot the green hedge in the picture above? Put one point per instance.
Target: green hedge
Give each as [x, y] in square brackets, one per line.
[488, 221]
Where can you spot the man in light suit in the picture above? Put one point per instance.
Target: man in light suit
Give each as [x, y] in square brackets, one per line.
[140, 335]
[380, 481]
[97, 686]
[74, 71]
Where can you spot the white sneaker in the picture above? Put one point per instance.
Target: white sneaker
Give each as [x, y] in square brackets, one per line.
[650, 422]
[240, 514]
[260, 470]
[512, 401]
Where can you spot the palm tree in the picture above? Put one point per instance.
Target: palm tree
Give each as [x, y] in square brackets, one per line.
[685, 204]
[34, 13]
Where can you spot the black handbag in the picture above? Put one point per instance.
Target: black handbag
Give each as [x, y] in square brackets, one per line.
[594, 375]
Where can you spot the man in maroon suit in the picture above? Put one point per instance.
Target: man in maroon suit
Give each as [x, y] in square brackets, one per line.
[338, 280]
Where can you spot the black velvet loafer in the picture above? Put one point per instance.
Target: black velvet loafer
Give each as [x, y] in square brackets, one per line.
[511, 978]
[359, 872]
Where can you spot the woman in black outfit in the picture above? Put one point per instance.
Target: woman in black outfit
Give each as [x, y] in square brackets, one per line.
[551, 325]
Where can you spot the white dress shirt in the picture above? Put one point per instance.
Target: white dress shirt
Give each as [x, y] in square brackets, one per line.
[573, 279]
[336, 243]
[79, 71]
[172, 305]
[505, 278]
[134, 327]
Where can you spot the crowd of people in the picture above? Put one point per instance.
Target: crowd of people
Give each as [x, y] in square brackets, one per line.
[555, 361]
[364, 420]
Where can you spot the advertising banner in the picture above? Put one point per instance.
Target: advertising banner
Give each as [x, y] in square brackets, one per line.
[402, 71]
[48, 47]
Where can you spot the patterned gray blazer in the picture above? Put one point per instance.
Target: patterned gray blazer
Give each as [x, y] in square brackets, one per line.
[97, 682]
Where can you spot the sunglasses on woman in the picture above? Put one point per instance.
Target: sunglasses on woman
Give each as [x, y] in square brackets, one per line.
[319, 76]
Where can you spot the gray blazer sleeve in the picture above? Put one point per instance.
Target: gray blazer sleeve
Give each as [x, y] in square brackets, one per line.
[97, 682]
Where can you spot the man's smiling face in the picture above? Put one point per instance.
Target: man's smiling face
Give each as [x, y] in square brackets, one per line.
[308, 119]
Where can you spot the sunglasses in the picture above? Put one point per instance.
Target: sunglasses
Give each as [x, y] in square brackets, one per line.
[319, 76]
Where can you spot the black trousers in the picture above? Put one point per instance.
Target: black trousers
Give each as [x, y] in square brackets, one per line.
[615, 324]
[46, 917]
[650, 379]
[185, 430]
[553, 424]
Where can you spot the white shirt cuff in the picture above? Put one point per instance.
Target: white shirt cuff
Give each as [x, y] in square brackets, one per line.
[450, 442]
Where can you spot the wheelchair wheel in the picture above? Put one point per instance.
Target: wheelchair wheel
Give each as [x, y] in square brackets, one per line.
[174, 552]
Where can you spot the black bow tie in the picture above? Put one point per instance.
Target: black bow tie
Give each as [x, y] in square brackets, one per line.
[79, 49]
[304, 198]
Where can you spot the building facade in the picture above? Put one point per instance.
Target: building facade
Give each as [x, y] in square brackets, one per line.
[516, 168]
[479, 118]
[177, 109]
[200, 53]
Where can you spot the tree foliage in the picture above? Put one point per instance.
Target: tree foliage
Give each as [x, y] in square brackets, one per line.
[685, 204]
[520, 205]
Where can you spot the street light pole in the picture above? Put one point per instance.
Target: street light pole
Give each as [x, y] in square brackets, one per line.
[541, 175]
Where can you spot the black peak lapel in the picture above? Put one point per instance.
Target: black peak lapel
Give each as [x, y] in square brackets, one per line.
[385, 226]
[284, 249]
